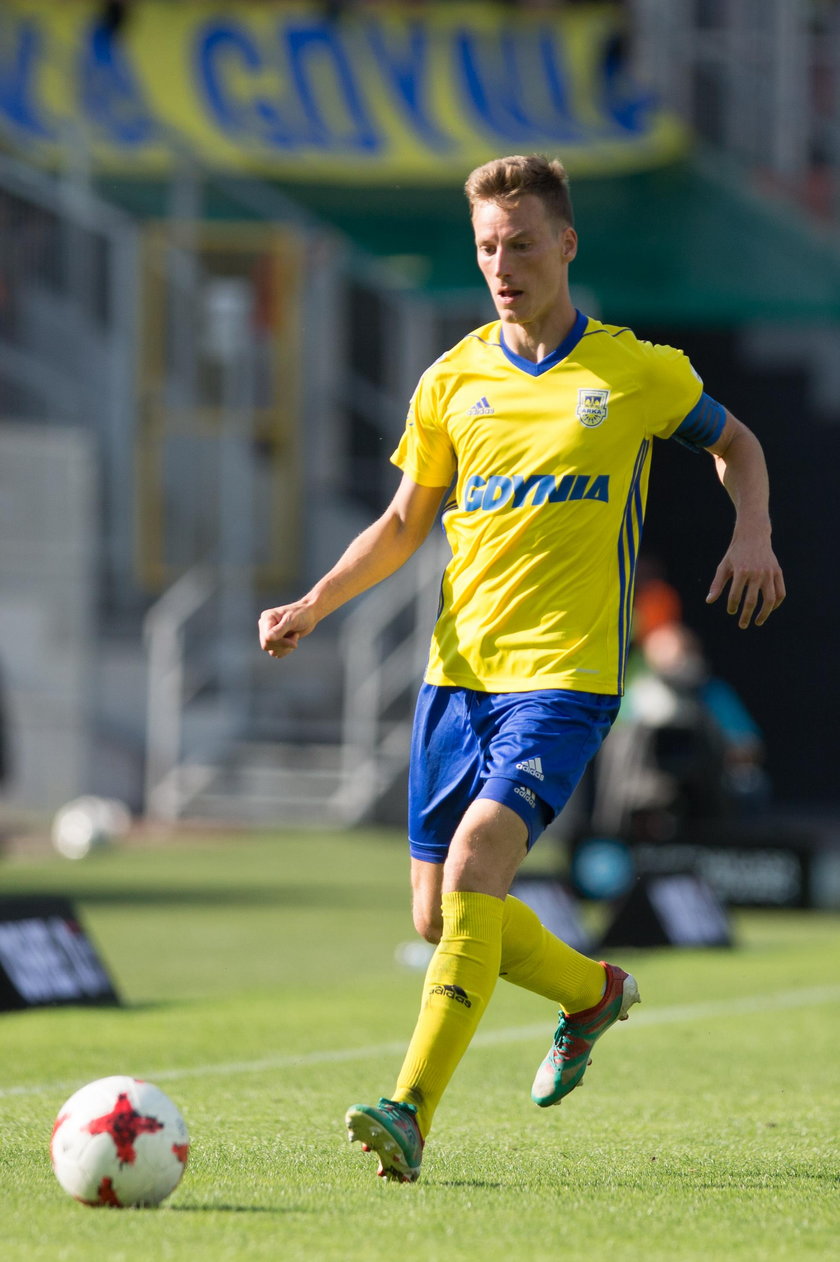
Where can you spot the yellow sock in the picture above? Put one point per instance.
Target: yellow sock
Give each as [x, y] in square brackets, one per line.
[534, 959]
[460, 980]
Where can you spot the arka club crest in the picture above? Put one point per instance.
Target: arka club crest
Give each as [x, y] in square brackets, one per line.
[592, 407]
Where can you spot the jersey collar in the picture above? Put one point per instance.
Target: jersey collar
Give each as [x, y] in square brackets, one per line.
[560, 352]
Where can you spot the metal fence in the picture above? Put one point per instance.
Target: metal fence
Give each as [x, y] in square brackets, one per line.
[757, 79]
[68, 286]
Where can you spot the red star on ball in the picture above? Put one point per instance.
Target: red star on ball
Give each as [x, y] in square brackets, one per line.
[124, 1124]
[105, 1195]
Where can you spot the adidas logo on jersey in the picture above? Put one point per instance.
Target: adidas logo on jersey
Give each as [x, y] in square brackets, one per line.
[532, 767]
[481, 408]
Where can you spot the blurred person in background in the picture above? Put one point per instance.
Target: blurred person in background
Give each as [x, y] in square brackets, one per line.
[534, 435]
[684, 748]
[655, 601]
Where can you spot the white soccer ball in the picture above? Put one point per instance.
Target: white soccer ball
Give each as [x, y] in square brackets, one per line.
[88, 823]
[119, 1141]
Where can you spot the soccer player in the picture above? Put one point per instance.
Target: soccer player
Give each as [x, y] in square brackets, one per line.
[534, 433]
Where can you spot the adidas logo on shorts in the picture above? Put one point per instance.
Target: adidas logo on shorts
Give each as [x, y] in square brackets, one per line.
[527, 794]
[533, 767]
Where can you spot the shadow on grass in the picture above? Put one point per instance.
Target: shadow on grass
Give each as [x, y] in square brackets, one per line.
[236, 1209]
[781, 1182]
[268, 895]
[468, 1183]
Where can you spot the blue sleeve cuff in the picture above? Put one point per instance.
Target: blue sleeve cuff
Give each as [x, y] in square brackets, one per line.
[704, 424]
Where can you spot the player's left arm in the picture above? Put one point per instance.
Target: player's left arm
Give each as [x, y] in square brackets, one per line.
[749, 565]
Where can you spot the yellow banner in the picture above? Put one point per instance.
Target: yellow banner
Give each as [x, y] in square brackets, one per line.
[388, 93]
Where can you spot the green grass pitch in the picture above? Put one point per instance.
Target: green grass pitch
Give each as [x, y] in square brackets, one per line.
[262, 993]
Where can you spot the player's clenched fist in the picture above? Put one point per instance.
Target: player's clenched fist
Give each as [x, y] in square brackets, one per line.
[282, 627]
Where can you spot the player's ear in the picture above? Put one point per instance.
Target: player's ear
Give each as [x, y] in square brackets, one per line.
[569, 244]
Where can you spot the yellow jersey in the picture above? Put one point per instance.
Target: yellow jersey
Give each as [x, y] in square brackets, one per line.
[548, 467]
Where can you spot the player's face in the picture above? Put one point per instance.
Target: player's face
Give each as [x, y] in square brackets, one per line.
[524, 256]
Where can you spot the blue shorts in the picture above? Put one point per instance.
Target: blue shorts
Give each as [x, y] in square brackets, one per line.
[527, 750]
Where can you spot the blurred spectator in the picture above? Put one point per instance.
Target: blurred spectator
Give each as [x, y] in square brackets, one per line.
[684, 747]
[656, 602]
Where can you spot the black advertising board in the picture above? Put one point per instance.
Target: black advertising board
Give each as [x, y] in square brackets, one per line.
[47, 958]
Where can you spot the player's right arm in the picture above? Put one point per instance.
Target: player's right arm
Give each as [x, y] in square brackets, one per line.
[375, 554]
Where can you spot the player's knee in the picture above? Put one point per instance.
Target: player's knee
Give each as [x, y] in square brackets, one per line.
[429, 924]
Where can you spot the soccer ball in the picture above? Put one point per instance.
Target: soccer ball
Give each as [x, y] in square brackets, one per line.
[119, 1141]
[89, 823]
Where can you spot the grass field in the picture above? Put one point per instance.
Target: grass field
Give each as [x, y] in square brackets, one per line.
[262, 993]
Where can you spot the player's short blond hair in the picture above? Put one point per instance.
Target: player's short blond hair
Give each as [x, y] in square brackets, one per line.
[508, 179]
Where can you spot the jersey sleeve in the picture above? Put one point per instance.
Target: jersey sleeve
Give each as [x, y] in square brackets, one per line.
[425, 451]
[703, 425]
[672, 390]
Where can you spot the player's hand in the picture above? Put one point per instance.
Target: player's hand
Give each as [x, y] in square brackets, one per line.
[281, 628]
[756, 583]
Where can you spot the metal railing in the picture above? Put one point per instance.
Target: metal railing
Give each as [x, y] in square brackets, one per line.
[384, 646]
[68, 289]
[756, 79]
[169, 689]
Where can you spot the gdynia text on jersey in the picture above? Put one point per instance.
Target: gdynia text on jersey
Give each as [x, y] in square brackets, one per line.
[499, 491]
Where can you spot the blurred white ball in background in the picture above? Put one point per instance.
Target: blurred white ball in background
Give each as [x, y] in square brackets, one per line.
[88, 823]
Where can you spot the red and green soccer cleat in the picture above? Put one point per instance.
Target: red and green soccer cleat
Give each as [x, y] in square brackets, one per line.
[577, 1033]
[390, 1130]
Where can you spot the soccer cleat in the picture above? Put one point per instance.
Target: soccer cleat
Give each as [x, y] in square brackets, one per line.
[391, 1131]
[575, 1036]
